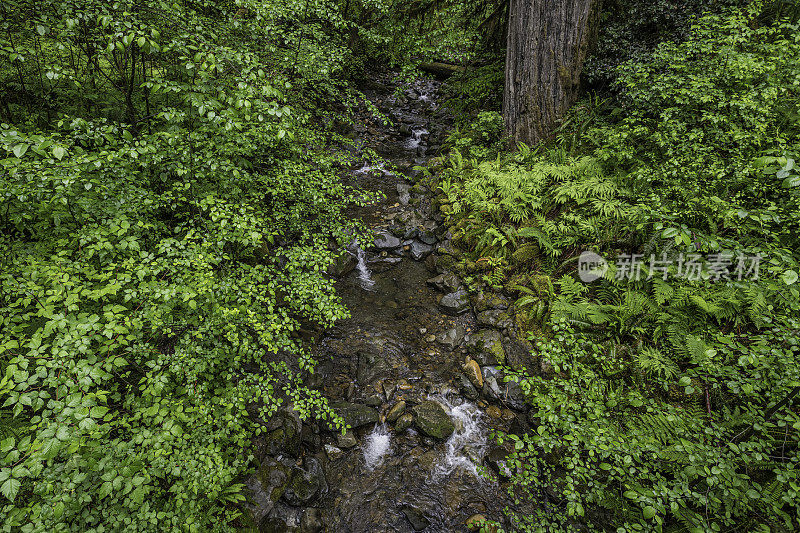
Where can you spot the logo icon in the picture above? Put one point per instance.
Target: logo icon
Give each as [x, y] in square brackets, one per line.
[591, 267]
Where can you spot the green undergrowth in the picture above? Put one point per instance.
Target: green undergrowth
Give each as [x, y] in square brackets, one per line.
[665, 394]
[168, 206]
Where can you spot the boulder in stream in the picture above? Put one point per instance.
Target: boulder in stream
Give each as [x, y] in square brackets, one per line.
[507, 392]
[386, 241]
[496, 318]
[396, 410]
[283, 433]
[420, 251]
[342, 265]
[447, 282]
[403, 423]
[371, 366]
[455, 303]
[473, 373]
[486, 347]
[486, 300]
[452, 338]
[306, 483]
[348, 440]
[416, 517]
[432, 420]
[272, 478]
[355, 415]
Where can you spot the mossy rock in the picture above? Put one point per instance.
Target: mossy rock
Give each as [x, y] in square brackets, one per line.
[433, 421]
[274, 477]
[486, 347]
[356, 415]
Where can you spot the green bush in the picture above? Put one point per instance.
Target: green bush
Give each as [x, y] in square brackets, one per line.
[665, 404]
[166, 220]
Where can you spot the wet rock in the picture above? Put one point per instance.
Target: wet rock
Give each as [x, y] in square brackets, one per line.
[348, 440]
[427, 238]
[447, 282]
[395, 412]
[404, 192]
[494, 412]
[389, 387]
[507, 392]
[532, 418]
[497, 459]
[496, 318]
[333, 452]
[311, 521]
[431, 262]
[273, 524]
[455, 303]
[486, 347]
[283, 433]
[310, 436]
[371, 366]
[546, 367]
[374, 401]
[404, 422]
[518, 354]
[452, 338]
[466, 388]
[486, 300]
[416, 517]
[356, 415]
[342, 265]
[273, 477]
[430, 338]
[432, 420]
[410, 234]
[473, 373]
[386, 241]
[420, 251]
[306, 483]
[383, 264]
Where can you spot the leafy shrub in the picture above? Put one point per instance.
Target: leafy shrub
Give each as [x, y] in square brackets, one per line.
[166, 220]
[666, 403]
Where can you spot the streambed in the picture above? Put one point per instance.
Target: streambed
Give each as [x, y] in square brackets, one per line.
[395, 370]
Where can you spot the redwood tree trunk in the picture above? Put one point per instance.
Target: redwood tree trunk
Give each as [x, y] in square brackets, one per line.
[548, 41]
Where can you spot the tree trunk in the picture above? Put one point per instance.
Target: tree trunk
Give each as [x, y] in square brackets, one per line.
[548, 41]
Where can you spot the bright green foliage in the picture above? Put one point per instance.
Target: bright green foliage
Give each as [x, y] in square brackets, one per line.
[672, 403]
[165, 223]
[626, 455]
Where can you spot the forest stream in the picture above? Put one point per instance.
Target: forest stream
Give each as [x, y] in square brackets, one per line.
[395, 369]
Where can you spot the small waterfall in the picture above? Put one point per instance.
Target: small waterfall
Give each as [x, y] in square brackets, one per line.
[413, 142]
[376, 445]
[364, 275]
[467, 445]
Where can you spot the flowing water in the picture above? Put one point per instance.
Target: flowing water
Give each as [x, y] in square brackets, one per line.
[364, 276]
[376, 445]
[388, 479]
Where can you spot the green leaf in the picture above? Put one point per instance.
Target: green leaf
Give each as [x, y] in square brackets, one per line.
[789, 277]
[10, 488]
[20, 149]
[58, 152]
[6, 444]
[648, 512]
